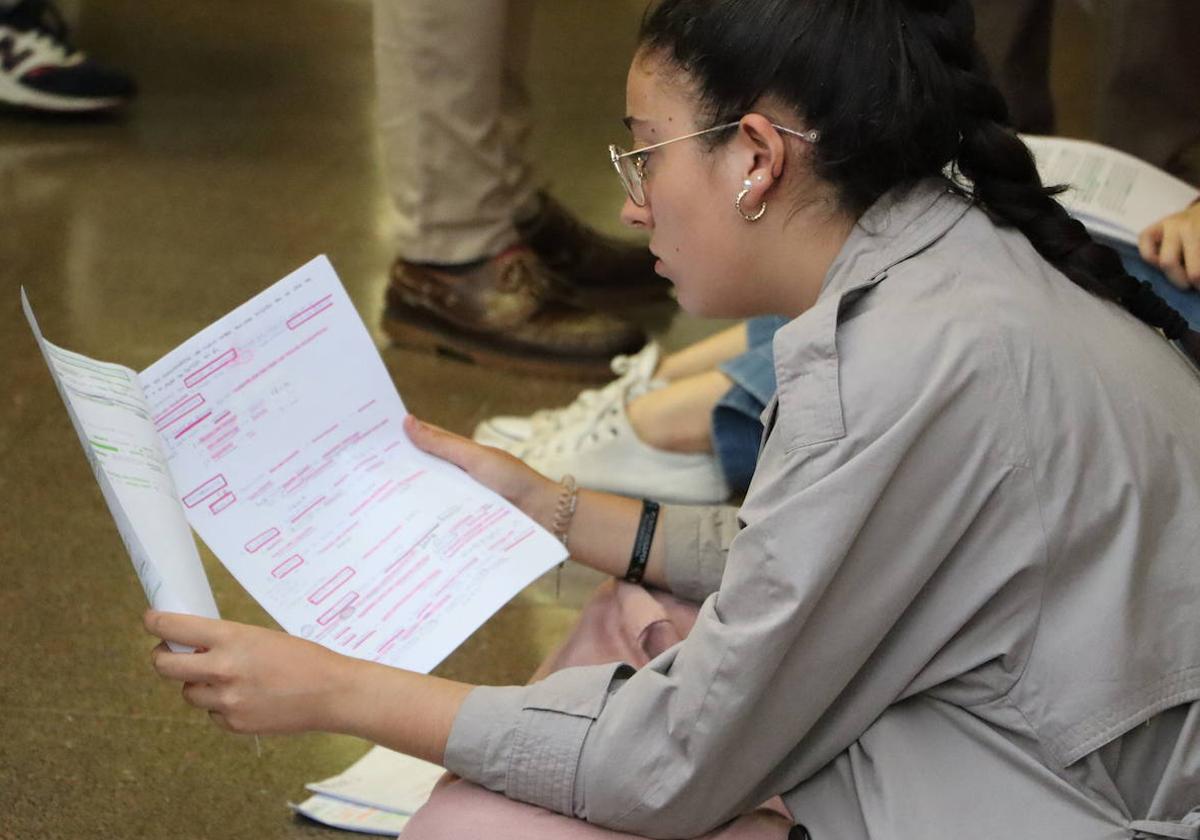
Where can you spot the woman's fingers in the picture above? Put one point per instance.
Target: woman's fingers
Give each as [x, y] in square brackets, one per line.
[191, 630]
[1149, 242]
[1173, 245]
[185, 667]
[1170, 255]
[441, 443]
[1191, 255]
[202, 696]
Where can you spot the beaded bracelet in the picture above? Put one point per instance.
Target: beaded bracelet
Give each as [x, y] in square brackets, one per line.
[564, 512]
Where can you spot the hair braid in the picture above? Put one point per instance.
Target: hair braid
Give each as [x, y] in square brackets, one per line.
[911, 98]
[1005, 179]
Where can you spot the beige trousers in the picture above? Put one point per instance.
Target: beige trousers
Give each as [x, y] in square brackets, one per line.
[1147, 78]
[453, 118]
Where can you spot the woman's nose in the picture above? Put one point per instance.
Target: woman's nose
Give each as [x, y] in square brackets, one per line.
[636, 217]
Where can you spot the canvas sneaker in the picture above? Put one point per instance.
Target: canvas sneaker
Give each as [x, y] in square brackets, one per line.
[40, 69]
[635, 376]
[604, 453]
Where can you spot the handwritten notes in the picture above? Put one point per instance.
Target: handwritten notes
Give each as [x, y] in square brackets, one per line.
[281, 432]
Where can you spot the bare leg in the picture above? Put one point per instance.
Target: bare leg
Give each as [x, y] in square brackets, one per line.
[704, 356]
[678, 418]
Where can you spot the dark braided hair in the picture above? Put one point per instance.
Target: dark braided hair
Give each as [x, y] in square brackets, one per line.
[899, 92]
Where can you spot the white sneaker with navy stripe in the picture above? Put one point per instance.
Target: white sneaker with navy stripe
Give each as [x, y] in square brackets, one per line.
[40, 69]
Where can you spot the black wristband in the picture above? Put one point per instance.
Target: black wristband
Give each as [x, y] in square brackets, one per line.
[641, 544]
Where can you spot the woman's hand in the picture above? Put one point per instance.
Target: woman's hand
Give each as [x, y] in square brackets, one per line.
[526, 488]
[250, 679]
[254, 680]
[1173, 245]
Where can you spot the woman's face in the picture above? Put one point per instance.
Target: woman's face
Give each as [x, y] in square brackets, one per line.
[690, 192]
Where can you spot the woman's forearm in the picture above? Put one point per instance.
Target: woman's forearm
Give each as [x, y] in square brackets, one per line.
[602, 533]
[401, 710]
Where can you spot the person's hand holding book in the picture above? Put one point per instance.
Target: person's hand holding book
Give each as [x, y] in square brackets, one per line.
[1173, 244]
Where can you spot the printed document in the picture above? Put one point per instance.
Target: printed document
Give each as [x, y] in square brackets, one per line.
[276, 434]
[379, 791]
[1114, 194]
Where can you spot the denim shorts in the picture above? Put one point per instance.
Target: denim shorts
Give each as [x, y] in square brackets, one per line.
[737, 429]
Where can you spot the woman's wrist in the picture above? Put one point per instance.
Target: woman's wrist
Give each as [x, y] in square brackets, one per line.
[402, 710]
[540, 501]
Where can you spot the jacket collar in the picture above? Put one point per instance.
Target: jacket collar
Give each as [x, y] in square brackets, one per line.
[897, 226]
[900, 224]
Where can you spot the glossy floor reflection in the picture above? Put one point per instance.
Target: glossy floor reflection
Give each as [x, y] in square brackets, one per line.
[251, 150]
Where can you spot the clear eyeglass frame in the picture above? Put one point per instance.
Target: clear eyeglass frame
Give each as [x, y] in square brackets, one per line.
[631, 166]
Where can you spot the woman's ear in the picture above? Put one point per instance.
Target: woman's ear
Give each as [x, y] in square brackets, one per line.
[762, 156]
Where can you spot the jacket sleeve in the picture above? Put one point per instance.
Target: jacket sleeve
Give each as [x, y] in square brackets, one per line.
[832, 601]
[696, 542]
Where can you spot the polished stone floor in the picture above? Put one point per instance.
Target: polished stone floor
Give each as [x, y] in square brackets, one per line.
[251, 150]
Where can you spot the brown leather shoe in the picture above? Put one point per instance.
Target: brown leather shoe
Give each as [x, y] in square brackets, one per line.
[598, 270]
[503, 314]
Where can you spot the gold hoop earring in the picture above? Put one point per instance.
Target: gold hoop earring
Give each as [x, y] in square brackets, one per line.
[737, 203]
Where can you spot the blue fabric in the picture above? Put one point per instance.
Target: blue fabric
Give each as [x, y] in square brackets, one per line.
[737, 429]
[1186, 303]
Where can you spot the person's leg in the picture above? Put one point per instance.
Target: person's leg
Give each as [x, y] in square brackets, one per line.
[646, 371]
[704, 355]
[1148, 91]
[441, 82]
[460, 810]
[516, 111]
[620, 622]
[1014, 36]
[676, 418]
[690, 421]
[453, 118]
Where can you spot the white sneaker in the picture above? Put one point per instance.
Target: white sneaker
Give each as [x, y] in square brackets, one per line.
[635, 376]
[605, 453]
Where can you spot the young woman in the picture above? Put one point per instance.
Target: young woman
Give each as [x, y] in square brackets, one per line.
[959, 599]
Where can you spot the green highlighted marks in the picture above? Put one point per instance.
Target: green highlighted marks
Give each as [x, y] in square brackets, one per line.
[104, 446]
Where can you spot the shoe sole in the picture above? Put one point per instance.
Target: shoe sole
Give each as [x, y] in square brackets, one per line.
[13, 93]
[417, 329]
[620, 297]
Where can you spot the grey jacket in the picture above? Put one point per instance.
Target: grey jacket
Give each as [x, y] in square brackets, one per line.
[960, 600]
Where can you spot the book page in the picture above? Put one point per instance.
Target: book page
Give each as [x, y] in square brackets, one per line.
[282, 431]
[1113, 193]
[349, 817]
[383, 779]
[110, 415]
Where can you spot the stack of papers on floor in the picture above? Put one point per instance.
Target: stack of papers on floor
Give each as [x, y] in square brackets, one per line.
[375, 795]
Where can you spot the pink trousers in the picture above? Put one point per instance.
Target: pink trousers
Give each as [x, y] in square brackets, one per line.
[621, 622]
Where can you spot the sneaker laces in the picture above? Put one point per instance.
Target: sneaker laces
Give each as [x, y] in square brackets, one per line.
[634, 377]
[598, 420]
[598, 425]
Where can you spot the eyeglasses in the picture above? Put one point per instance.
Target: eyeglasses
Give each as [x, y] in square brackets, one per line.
[631, 166]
